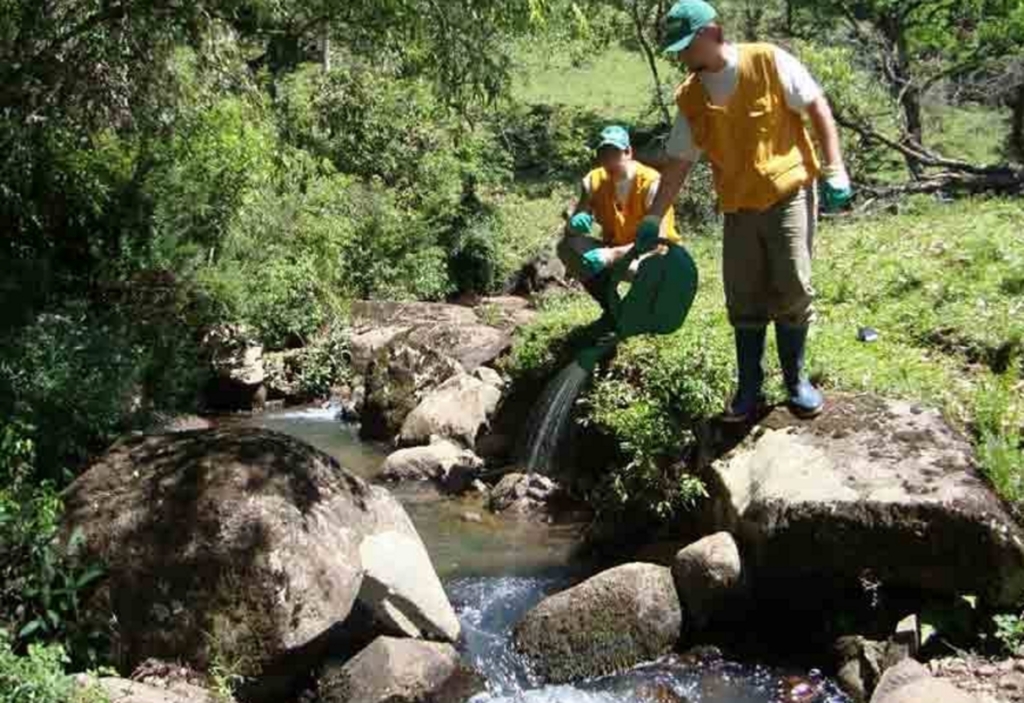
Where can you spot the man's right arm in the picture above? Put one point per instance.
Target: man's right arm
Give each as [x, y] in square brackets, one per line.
[680, 153]
[673, 175]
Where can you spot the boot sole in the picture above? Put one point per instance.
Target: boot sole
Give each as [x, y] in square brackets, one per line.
[805, 414]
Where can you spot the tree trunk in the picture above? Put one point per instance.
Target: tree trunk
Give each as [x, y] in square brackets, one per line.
[904, 89]
[1017, 125]
[652, 62]
[325, 46]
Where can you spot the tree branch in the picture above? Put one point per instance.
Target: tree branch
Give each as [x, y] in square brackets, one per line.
[652, 61]
[917, 152]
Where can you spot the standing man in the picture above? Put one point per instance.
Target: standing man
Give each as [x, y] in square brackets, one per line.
[742, 107]
[616, 195]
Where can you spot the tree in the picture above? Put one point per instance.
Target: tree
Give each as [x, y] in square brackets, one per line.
[917, 44]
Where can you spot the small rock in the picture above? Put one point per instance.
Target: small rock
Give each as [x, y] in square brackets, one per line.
[608, 623]
[472, 517]
[986, 671]
[908, 634]
[910, 682]
[522, 494]
[489, 376]
[707, 574]
[398, 671]
[1012, 681]
[451, 466]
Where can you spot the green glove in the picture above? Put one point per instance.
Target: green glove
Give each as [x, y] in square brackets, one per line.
[582, 223]
[647, 234]
[836, 191]
[595, 261]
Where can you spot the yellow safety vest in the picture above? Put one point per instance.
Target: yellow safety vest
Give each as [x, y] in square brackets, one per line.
[619, 222]
[759, 149]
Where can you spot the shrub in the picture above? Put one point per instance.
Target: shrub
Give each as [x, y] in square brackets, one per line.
[999, 426]
[323, 364]
[39, 677]
[549, 141]
[652, 400]
[74, 377]
[43, 582]
[203, 176]
[1009, 632]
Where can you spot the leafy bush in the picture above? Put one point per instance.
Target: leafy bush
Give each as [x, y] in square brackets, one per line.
[697, 204]
[652, 399]
[999, 426]
[549, 141]
[854, 92]
[323, 364]
[376, 125]
[73, 377]
[544, 344]
[39, 677]
[203, 176]
[1009, 632]
[43, 583]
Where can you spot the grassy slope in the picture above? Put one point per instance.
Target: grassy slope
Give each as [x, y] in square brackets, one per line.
[943, 284]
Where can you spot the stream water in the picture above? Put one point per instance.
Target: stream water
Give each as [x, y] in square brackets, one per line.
[495, 570]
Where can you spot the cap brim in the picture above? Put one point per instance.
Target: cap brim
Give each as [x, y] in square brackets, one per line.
[618, 146]
[676, 47]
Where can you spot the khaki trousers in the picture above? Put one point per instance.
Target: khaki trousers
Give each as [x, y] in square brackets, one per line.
[766, 262]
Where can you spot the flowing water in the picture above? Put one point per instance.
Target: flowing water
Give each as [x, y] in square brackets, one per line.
[550, 419]
[496, 570]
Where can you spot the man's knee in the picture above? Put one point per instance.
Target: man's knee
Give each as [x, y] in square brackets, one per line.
[796, 309]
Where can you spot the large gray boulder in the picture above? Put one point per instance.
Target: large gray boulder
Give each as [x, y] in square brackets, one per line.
[910, 682]
[457, 330]
[609, 623]
[872, 489]
[247, 545]
[708, 576]
[399, 671]
[405, 350]
[458, 409]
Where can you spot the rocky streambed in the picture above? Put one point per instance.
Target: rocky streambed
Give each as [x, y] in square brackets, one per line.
[269, 550]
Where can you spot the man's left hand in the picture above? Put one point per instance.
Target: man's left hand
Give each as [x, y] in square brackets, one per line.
[836, 190]
[647, 234]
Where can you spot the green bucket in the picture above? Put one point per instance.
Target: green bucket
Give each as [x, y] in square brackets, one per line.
[661, 293]
[657, 302]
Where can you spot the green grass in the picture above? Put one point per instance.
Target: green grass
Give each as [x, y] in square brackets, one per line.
[528, 225]
[940, 283]
[972, 133]
[613, 82]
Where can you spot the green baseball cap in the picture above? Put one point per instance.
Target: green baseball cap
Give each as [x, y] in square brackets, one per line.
[683, 21]
[614, 135]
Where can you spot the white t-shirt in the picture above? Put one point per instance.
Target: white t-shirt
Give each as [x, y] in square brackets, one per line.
[624, 186]
[798, 85]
